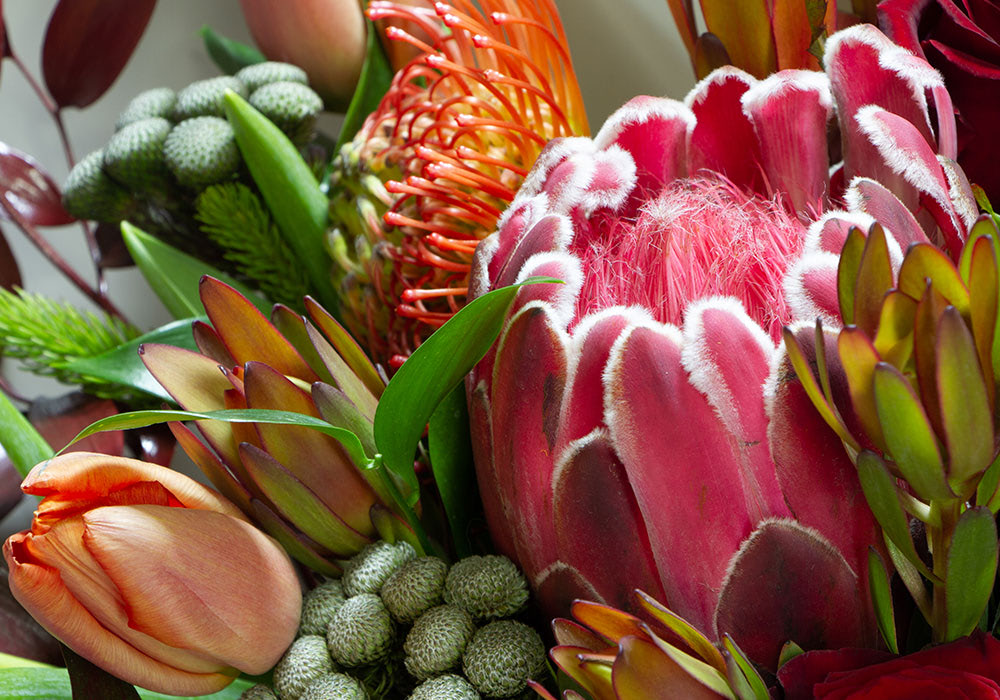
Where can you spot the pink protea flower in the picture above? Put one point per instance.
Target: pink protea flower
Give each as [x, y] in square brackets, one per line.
[638, 426]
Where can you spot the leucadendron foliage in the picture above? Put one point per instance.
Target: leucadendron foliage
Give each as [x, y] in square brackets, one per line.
[910, 387]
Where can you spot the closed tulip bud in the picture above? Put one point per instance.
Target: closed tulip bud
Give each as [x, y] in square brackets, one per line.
[319, 606]
[489, 586]
[334, 686]
[414, 588]
[446, 687]
[437, 640]
[371, 567]
[305, 661]
[150, 575]
[157, 102]
[502, 657]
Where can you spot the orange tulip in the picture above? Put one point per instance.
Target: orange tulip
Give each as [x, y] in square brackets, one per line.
[150, 575]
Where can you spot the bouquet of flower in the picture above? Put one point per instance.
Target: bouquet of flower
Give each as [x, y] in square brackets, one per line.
[701, 406]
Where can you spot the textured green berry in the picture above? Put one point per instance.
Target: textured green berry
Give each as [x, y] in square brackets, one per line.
[502, 657]
[414, 588]
[90, 194]
[446, 687]
[203, 98]
[202, 151]
[361, 632]
[158, 102]
[488, 587]
[436, 641]
[292, 107]
[134, 155]
[258, 692]
[260, 74]
[334, 686]
[319, 606]
[368, 569]
[305, 661]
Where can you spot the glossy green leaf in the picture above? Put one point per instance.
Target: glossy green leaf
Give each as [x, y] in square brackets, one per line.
[391, 528]
[289, 188]
[878, 583]
[984, 288]
[373, 83]
[894, 340]
[858, 358]
[450, 449]
[925, 323]
[924, 261]
[122, 365]
[879, 487]
[983, 227]
[874, 280]
[346, 346]
[965, 410]
[847, 273]
[789, 650]
[745, 669]
[910, 577]
[698, 642]
[22, 443]
[988, 489]
[53, 684]
[174, 275]
[230, 56]
[972, 567]
[908, 434]
[430, 374]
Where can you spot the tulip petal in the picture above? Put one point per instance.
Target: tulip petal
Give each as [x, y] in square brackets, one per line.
[815, 603]
[179, 595]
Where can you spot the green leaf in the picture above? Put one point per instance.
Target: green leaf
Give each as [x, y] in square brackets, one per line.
[122, 364]
[878, 582]
[174, 275]
[430, 374]
[290, 191]
[874, 279]
[373, 83]
[987, 491]
[702, 672]
[745, 670]
[451, 461]
[230, 56]
[696, 641]
[53, 684]
[789, 650]
[924, 261]
[19, 439]
[910, 577]
[847, 273]
[972, 568]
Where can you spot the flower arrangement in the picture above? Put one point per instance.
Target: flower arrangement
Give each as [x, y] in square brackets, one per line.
[700, 406]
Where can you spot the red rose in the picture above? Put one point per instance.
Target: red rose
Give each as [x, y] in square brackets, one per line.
[967, 669]
[962, 40]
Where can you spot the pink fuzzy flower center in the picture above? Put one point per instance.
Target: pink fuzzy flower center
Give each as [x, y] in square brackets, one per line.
[699, 237]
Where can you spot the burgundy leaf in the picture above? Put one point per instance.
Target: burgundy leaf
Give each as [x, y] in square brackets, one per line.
[154, 443]
[59, 420]
[22, 636]
[4, 46]
[90, 681]
[10, 274]
[30, 190]
[10, 484]
[110, 243]
[88, 43]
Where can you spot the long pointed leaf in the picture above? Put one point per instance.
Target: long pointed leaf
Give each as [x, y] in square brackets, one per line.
[972, 568]
[23, 444]
[878, 582]
[451, 461]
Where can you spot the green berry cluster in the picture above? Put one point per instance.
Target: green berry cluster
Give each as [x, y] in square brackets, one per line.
[401, 625]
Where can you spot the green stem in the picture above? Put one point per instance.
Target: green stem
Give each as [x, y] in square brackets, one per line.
[945, 514]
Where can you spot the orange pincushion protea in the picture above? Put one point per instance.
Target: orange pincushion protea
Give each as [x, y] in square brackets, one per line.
[441, 157]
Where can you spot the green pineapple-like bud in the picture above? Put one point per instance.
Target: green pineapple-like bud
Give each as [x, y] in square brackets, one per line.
[258, 692]
[361, 632]
[436, 641]
[158, 102]
[203, 98]
[90, 194]
[293, 107]
[367, 570]
[502, 657]
[446, 687]
[414, 588]
[202, 151]
[488, 587]
[134, 155]
[334, 686]
[261, 74]
[305, 661]
[319, 606]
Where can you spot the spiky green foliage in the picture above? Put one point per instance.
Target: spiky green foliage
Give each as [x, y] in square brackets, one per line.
[202, 151]
[234, 218]
[46, 335]
[157, 102]
[260, 74]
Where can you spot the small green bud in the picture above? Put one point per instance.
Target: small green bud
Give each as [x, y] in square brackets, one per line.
[90, 194]
[319, 606]
[292, 107]
[361, 632]
[260, 74]
[202, 151]
[203, 98]
[414, 588]
[158, 102]
[502, 657]
[367, 570]
[134, 155]
[436, 641]
[446, 687]
[334, 686]
[488, 587]
[305, 661]
[258, 692]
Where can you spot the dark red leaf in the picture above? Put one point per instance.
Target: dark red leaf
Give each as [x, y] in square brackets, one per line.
[59, 420]
[29, 188]
[4, 46]
[22, 636]
[114, 252]
[10, 484]
[88, 43]
[152, 444]
[10, 274]
[89, 681]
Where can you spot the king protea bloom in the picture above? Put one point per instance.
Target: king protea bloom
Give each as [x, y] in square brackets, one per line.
[638, 426]
[441, 157]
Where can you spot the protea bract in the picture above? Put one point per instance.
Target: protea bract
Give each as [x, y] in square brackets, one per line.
[299, 485]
